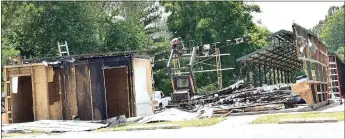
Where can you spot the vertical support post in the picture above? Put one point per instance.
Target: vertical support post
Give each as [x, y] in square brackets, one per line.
[274, 75]
[247, 73]
[285, 74]
[265, 71]
[281, 76]
[260, 78]
[254, 75]
[269, 76]
[278, 76]
[219, 66]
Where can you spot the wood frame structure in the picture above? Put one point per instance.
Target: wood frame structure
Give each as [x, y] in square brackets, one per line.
[273, 64]
[314, 54]
[187, 74]
[70, 87]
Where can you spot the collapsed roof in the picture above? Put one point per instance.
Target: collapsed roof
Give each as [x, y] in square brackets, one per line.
[281, 54]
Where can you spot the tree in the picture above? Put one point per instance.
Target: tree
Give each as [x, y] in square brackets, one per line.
[331, 30]
[210, 22]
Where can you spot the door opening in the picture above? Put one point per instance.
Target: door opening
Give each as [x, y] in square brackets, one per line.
[117, 93]
[21, 100]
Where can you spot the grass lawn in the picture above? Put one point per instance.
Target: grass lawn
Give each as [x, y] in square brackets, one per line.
[187, 123]
[32, 132]
[275, 118]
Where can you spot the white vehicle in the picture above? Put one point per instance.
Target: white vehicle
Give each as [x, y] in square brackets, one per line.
[160, 101]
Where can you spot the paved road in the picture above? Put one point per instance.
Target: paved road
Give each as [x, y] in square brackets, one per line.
[233, 127]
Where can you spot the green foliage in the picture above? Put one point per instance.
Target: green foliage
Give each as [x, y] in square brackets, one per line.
[331, 30]
[210, 22]
[33, 28]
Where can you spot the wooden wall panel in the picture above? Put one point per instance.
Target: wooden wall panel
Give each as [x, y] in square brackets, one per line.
[41, 92]
[149, 77]
[83, 92]
[55, 106]
[98, 93]
[143, 101]
[73, 99]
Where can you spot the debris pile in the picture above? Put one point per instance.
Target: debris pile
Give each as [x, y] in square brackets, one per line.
[241, 97]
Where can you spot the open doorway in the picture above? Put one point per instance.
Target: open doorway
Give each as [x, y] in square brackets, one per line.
[21, 99]
[117, 93]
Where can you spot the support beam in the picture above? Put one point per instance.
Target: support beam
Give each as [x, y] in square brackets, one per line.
[274, 75]
[278, 76]
[265, 71]
[269, 76]
[254, 75]
[260, 75]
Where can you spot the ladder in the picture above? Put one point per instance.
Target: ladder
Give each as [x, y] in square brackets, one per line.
[65, 51]
[334, 83]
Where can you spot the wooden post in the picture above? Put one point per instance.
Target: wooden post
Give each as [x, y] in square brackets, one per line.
[254, 75]
[269, 76]
[265, 71]
[260, 78]
[247, 73]
[274, 75]
[278, 76]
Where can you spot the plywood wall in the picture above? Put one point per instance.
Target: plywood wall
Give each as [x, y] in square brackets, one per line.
[55, 108]
[83, 89]
[98, 93]
[73, 92]
[40, 94]
[141, 81]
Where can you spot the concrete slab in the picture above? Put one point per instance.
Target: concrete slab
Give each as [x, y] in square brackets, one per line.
[50, 126]
[307, 120]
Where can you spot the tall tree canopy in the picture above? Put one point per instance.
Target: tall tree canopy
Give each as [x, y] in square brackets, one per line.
[332, 30]
[211, 22]
[33, 29]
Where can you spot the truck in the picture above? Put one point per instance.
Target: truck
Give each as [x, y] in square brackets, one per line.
[160, 101]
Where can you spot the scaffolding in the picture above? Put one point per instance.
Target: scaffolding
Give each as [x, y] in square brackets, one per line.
[182, 74]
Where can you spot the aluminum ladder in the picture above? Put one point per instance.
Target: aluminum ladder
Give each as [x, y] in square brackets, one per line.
[62, 52]
[334, 83]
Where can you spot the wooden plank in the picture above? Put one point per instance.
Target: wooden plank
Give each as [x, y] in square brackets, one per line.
[73, 89]
[149, 78]
[33, 92]
[41, 95]
[18, 75]
[83, 92]
[98, 91]
[54, 98]
[133, 86]
[315, 93]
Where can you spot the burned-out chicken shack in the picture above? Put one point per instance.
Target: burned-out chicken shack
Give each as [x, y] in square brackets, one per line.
[88, 87]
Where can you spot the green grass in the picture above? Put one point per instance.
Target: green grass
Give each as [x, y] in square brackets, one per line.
[187, 123]
[32, 132]
[275, 118]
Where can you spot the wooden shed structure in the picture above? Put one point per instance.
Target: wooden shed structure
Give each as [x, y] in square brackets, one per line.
[288, 53]
[89, 87]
